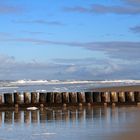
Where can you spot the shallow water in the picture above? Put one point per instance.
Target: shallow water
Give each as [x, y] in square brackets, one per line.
[98, 123]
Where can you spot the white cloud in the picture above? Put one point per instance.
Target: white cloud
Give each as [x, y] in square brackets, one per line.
[98, 69]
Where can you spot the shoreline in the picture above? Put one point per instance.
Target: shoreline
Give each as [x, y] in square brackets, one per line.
[124, 88]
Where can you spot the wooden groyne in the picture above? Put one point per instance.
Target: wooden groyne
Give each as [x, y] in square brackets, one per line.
[69, 99]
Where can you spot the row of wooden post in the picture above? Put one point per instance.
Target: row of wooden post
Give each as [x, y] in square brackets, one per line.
[69, 97]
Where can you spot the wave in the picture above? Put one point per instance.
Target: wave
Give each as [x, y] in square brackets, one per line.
[8, 88]
[32, 82]
[19, 83]
[28, 81]
[71, 81]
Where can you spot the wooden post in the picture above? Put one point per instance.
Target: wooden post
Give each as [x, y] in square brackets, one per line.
[89, 97]
[121, 97]
[17, 98]
[105, 97]
[72, 97]
[65, 97]
[34, 97]
[8, 99]
[137, 96]
[114, 97]
[129, 96]
[26, 97]
[57, 97]
[50, 97]
[96, 97]
[42, 98]
[80, 97]
[0, 99]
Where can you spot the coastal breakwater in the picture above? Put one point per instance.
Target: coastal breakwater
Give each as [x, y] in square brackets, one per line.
[64, 99]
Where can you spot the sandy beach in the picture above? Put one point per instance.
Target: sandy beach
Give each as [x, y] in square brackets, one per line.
[131, 88]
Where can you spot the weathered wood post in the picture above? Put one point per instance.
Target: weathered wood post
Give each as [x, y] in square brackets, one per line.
[129, 96]
[42, 98]
[121, 97]
[105, 97]
[65, 97]
[81, 97]
[96, 97]
[34, 97]
[17, 98]
[8, 99]
[50, 97]
[26, 97]
[0, 99]
[114, 97]
[137, 96]
[73, 97]
[57, 98]
[89, 97]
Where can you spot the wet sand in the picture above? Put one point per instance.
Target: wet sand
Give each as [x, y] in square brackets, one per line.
[131, 130]
[119, 88]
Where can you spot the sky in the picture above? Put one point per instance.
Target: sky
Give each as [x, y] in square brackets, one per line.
[69, 40]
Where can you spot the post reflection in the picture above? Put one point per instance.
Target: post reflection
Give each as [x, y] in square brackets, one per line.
[80, 114]
[34, 116]
[17, 116]
[72, 114]
[65, 115]
[43, 116]
[8, 117]
[26, 117]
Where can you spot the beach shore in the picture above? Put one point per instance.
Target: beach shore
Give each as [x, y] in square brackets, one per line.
[131, 88]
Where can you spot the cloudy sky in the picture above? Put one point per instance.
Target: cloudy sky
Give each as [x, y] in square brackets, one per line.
[70, 39]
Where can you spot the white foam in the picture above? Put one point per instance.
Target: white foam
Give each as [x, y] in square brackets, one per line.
[57, 82]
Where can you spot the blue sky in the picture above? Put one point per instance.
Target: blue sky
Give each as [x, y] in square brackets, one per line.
[79, 39]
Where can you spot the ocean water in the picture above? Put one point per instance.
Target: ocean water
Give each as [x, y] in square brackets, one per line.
[59, 86]
[93, 123]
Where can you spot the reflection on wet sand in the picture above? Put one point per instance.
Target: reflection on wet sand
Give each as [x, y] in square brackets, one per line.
[116, 123]
[65, 115]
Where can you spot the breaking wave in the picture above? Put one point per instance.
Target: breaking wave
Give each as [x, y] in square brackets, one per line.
[37, 82]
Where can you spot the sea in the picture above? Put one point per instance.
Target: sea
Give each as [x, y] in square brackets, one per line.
[59, 86]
